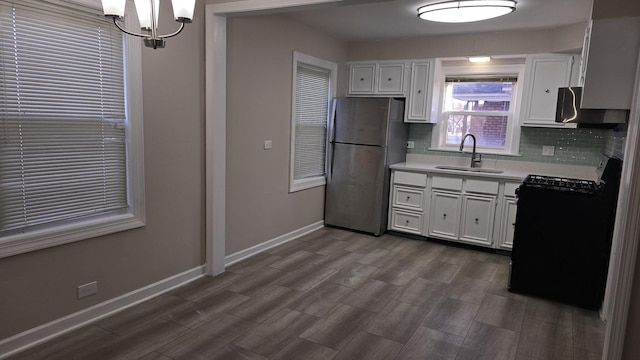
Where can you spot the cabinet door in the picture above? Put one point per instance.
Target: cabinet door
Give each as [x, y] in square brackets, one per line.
[418, 99]
[361, 78]
[444, 220]
[477, 219]
[544, 75]
[391, 79]
[509, 208]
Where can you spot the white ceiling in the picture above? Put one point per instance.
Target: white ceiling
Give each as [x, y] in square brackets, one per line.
[398, 19]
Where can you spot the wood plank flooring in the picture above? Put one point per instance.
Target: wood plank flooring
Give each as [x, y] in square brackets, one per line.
[339, 295]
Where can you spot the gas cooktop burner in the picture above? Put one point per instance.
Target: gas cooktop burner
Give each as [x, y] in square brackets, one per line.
[562, 184]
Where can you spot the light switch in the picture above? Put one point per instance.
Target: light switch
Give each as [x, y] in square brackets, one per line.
[410, 144]
[548, 150]
[267, 144]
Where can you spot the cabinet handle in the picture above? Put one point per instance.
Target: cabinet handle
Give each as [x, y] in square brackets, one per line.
[547, 91]
[476, 220]
[408, 197]
[513, 224]
[444, 216]
[389, 79]
[361, 79]
[419, 91]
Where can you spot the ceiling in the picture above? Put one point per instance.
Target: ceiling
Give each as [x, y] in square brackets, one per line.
[398, 19]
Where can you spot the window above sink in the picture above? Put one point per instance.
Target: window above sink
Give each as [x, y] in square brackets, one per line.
[479, 99]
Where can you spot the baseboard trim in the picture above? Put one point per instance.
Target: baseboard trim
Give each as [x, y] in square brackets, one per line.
[247, 253]
[61, 326]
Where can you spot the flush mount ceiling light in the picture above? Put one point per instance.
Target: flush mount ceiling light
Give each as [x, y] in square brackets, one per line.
[465, 10]
[148, 15]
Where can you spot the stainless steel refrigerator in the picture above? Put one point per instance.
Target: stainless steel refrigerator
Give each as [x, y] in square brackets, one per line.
[366, 135]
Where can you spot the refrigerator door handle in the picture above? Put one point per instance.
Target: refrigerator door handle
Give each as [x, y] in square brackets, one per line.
[331, 133]
[330, 162]
[332, 122]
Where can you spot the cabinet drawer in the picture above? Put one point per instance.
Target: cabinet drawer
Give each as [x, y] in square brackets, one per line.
[447, 183]
[481, 186]
[406, 221]
[408, 178]
[407, 198]
[510, 189]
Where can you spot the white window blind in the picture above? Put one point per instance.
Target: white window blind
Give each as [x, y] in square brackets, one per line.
[62, 115]
[311, 109]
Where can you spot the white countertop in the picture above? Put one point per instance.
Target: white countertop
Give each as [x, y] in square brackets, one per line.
[512, 170]
[431, 168]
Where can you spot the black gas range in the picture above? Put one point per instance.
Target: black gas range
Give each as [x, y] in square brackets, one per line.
[562, 238]
[562, 184]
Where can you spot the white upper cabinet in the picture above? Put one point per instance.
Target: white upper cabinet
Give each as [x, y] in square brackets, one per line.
[544, 74]
[420, 90]
[609, 60]
[361, 78]
[382, 78]
[390, 78]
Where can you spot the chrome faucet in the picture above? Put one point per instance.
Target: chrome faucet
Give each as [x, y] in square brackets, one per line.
[475, 158]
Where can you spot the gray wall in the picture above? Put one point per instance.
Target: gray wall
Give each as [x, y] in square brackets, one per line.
[259, 79]
[40, 286]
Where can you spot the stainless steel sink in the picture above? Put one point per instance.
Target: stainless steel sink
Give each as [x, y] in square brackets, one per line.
[470, 169]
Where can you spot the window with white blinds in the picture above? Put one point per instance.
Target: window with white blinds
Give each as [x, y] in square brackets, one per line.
[63, 153]
[313, 91]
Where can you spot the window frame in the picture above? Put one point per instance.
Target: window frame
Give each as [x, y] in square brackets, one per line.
[308, 183]
[512, 137]
[135, 216]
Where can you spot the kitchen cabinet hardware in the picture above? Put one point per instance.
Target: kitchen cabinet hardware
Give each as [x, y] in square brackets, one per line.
[547, 91]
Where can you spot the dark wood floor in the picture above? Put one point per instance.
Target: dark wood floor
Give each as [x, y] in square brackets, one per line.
[338, 295]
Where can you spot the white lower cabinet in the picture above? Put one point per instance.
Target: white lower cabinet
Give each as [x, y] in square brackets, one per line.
[444, 219]
[478, 213]
[408, 202]
[467, 209]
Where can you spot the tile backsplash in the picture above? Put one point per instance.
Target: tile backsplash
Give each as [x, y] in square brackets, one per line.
[572, 146]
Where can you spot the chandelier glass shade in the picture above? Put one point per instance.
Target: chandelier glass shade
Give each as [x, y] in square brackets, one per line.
[148, 11]
[466, 10]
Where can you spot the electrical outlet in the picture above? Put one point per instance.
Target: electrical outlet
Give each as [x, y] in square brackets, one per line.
[410, 144]
[87, 289]
[268, 144]
[548, 150]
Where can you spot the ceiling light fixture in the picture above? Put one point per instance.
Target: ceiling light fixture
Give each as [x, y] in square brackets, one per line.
[466, 10]
[479, 59]
[148, 15]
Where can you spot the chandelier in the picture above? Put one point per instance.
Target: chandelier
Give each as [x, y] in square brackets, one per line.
[454, 11]
[148, 16]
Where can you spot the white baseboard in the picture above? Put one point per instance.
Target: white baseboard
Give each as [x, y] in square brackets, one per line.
[48, 331]
[247, 253]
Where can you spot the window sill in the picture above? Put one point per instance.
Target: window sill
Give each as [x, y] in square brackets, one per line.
[299, 185]
[478, 151]
[64, 234]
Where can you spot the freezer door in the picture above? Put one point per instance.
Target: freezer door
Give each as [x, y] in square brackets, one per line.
[361, 121]
[355, 189]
